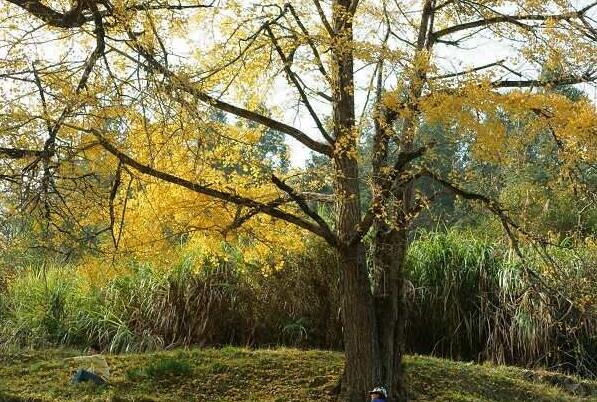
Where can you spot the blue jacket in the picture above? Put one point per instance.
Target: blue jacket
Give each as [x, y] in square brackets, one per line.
[378, 400]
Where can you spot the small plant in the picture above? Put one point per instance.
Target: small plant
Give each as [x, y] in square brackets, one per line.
[162, 368]
[218, 368]
[295, 332]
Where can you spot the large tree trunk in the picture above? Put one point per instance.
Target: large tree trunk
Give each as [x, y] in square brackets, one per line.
[358, 327]
[389, 252]
[373, 326]
[389, 256]
[374, 323]
[357, 302]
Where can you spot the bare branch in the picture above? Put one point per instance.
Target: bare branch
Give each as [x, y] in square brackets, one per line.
[112, 197]
[511, 19]
[493, 206]
[323, 18]
[299, 88]
[42, 95]
[123, 214]
[475, 69]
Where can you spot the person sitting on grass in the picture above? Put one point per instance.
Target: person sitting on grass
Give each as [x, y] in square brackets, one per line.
[378, 394]
[95, 368]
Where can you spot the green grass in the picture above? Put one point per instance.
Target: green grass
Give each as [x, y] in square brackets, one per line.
[235, 374]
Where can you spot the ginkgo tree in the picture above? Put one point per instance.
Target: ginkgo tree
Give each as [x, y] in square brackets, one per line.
[114, 90]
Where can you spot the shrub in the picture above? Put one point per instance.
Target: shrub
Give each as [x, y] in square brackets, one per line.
[162, 367]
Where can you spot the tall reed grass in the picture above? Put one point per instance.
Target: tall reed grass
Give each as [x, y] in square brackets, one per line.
[200, 301]
[470, 298]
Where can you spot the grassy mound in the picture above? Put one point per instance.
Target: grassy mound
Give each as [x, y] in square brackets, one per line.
[234, 374]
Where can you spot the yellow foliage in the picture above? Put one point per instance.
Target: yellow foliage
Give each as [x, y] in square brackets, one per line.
[156, 117]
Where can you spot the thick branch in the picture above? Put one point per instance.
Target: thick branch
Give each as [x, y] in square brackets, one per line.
[512, 19]
[167, 6]
[264, 120]
[235, 110]
[16, 153]
[75, 17]
[205, 189]
[299, 88]
[330, 237]
[324, 19]
[241, 219]
[100, 46]
[70, 19]
[385, 187]
[425, 36]
[568, 80]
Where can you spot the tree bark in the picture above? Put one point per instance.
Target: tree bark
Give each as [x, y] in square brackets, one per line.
[391, 239]
[359, 332]
[389, 252]
[357, 303]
